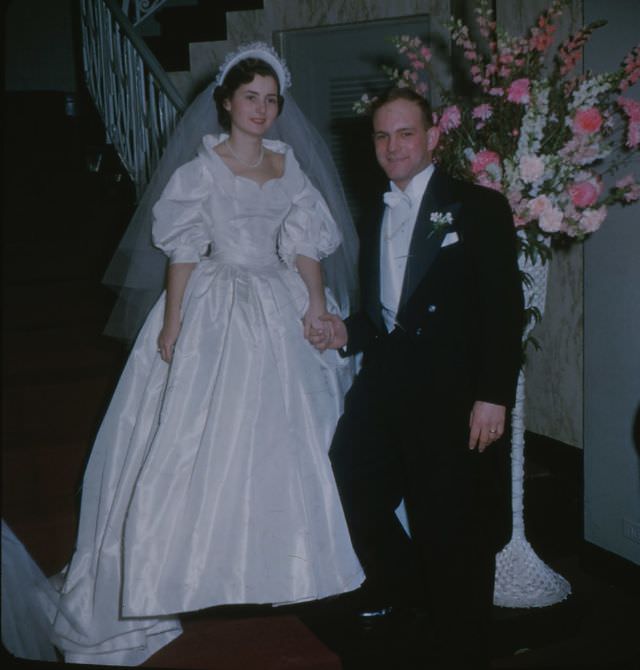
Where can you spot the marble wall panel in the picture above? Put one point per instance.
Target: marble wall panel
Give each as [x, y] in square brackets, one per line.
[247, 26]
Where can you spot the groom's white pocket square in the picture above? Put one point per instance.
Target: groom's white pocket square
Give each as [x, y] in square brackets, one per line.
[449, 239]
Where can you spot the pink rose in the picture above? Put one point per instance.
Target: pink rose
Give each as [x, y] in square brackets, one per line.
[587, 121]
[483, 159]
[531, 168]
[585, 193]
[450, 119]
[519, 91]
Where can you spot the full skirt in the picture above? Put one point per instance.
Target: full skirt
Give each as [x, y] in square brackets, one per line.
[209, 481]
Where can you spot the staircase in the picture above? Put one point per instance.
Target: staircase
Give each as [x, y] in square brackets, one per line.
[173, 28]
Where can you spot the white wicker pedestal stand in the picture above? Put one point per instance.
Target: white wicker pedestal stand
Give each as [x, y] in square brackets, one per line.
[523, 579]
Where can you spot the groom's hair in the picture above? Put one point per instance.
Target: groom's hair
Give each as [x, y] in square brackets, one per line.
[403, 93]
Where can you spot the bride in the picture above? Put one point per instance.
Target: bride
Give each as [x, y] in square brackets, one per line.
[209, 481]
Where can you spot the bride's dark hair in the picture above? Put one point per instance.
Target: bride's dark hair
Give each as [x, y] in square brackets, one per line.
[242, 73]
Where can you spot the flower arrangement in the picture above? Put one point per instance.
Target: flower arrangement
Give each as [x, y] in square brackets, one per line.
[538, 134]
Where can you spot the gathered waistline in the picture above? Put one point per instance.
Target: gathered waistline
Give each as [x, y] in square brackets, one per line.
[253, 262]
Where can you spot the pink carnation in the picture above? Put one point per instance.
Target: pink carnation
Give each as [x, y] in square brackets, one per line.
[633, 135]
[579, 150]
[551, 220]
[485, 180]
[592, 219]
[630, 187]
[531, 168]
[538, 205]
[585, 193]
[631, 108]
[519, 91]
[450, 118]
[483, 159]
[587, 121]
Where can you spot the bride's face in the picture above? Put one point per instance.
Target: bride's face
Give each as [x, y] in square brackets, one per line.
[253, 107]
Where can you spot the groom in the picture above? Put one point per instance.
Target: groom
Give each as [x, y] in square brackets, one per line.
[440, 331]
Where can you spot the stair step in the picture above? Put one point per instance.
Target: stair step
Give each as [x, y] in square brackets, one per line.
[188, 24]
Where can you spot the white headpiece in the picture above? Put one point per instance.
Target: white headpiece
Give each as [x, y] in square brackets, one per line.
[259, 50]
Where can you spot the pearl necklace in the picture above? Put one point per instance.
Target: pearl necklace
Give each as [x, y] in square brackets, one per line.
[240, 160]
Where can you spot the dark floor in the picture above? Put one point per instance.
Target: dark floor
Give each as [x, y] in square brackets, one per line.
[61, 223]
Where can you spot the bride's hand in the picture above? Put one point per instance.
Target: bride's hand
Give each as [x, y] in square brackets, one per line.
[167, 340]
[315, 327]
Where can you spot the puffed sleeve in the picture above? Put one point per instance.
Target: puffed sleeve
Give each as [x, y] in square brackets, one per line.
[179, 228]
[308, 229]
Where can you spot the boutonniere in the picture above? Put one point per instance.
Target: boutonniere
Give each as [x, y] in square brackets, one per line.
[440, 221]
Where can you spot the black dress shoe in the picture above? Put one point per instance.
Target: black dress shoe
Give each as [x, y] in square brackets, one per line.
[366, 615]
[374, 620]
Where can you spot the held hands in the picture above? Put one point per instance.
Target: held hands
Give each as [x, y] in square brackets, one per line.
[312, 323]
[331, 335]
[486, 424]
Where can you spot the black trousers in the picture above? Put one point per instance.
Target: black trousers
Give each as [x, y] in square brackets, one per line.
[406, 436]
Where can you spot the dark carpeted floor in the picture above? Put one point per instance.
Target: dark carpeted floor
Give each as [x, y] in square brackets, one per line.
[61, 222]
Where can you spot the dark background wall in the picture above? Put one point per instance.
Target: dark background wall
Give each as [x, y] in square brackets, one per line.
[39, 46]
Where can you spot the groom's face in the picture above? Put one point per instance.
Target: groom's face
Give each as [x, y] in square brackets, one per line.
[402, 142]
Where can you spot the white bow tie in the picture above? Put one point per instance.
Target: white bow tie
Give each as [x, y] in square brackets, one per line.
[393, 198]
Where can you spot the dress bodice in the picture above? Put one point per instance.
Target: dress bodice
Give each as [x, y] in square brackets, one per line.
[206, 211]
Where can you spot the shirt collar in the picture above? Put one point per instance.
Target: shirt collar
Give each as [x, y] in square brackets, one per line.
[417, 186]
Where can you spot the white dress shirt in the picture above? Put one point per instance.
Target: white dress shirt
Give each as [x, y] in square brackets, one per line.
[399, 221]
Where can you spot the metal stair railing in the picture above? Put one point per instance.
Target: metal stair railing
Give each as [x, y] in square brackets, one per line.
[137, 101]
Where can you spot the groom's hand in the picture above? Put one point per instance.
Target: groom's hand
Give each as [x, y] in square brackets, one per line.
[486, 424]
[333, 337]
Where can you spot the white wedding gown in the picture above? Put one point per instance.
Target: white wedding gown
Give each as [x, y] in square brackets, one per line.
[209, 482]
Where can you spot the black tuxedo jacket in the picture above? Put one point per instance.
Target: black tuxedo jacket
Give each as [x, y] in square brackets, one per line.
[461, 308]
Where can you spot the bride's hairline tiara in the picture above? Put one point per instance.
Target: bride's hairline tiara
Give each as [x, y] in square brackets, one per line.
[261, 51]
